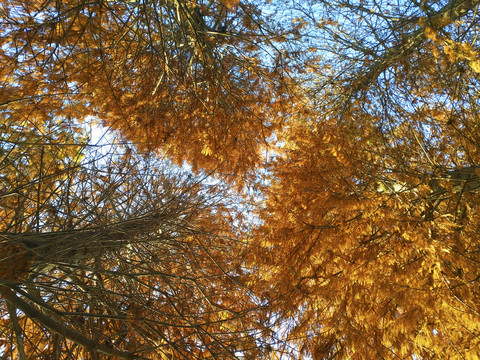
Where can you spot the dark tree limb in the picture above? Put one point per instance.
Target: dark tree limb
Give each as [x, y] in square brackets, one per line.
[61, 329]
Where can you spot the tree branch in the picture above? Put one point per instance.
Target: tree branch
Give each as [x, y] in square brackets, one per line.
[17, 330]
[454, 10]
[62, 329]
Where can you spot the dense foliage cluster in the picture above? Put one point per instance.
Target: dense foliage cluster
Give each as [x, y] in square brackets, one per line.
[239, 179]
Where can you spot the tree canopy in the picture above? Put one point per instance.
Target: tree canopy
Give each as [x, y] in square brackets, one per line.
[273, 179]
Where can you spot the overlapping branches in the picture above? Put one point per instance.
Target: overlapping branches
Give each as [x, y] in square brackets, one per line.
[164, 73]
[116, 254]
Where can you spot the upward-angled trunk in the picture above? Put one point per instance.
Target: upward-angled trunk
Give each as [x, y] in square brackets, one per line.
[71, 247]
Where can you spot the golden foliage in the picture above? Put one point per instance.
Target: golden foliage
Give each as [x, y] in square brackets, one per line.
[352, 135]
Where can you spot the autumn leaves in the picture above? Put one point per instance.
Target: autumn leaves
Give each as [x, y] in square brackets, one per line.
[348, 122]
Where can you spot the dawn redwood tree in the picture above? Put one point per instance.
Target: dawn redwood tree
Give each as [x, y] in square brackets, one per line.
[353, 126]
[106, 254]
[370, 225]
[181, 76]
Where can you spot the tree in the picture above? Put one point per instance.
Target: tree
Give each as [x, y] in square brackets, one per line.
[109, 254]
[370, 225]
[105, 253]
[350, 129]
[181, 76]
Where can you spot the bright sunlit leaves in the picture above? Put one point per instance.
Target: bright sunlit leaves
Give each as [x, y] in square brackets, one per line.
[350, 131]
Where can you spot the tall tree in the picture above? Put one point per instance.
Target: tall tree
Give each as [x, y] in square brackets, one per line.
[183, 76]
[104, 253]
[108, 254]
[354, 122]
[370, 226]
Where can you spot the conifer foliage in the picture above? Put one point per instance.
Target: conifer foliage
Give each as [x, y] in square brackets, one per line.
[274, 180]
